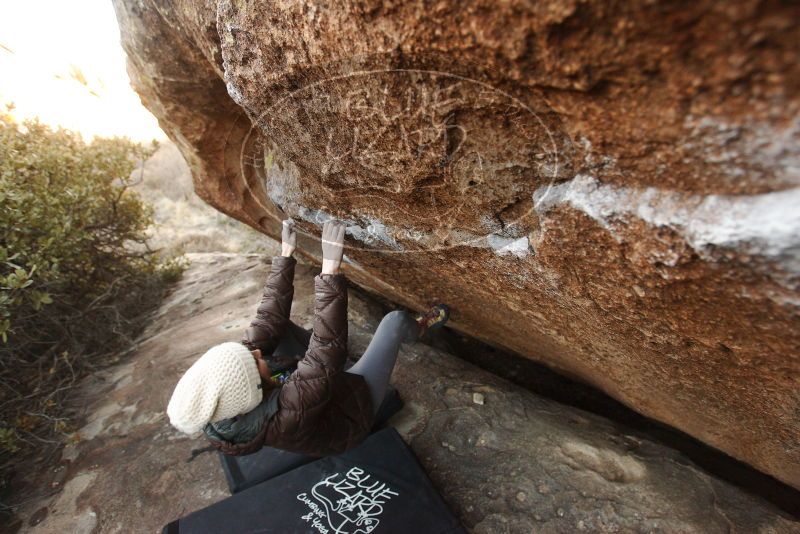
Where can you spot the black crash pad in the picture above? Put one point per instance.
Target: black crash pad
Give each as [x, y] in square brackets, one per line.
[377, 487]
[242, 472]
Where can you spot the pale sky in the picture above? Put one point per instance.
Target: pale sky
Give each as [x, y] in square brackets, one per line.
[47, 46]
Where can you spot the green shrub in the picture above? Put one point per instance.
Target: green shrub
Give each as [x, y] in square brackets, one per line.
[76, 274]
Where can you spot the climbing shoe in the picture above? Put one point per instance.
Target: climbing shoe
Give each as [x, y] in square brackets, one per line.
[433, 319]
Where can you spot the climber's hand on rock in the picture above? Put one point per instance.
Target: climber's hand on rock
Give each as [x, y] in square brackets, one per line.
[288, 238]
[332, 246]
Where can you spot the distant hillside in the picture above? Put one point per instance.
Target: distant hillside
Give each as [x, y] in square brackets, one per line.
[183, 222]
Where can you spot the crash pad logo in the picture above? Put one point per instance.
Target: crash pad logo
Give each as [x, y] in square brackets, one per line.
[351, 503]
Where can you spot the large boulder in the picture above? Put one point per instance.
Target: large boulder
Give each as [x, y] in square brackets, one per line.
[610, 188]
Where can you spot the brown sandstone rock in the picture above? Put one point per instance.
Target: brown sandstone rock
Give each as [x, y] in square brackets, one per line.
[607, 187]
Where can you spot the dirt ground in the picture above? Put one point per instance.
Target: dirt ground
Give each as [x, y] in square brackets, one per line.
[505, 459]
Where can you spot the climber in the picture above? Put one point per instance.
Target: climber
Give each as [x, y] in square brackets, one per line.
[231, 395]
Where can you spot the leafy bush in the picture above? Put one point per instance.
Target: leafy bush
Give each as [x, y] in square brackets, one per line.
[76, 274]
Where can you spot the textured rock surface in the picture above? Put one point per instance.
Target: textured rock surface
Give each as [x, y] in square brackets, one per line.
[607, 187]
[516, 464]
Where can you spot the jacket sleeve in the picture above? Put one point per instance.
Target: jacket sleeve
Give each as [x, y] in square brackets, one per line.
[272, 315]
[309, 387]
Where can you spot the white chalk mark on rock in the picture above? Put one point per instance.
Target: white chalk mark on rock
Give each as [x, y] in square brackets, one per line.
[767, 224]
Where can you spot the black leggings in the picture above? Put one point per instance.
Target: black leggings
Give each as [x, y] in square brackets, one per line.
[378, 361]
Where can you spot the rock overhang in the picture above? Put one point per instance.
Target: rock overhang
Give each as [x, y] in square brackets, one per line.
[607, 189]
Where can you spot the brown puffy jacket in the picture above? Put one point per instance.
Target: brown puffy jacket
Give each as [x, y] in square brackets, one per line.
[321, 409]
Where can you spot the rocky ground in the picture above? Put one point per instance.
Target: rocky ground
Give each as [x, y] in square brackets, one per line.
[505, 459]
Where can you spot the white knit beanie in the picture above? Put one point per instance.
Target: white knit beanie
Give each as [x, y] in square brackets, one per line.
[223, 383]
